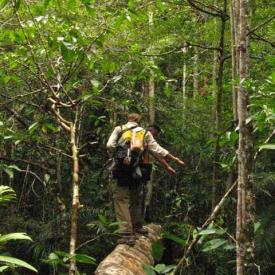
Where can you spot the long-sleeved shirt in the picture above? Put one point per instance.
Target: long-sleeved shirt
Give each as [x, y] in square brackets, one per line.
[149, 141]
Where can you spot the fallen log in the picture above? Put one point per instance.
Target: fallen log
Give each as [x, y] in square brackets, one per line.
[127, 260]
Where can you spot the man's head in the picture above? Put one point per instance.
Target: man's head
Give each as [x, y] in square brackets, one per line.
[134, 117]
[154, 130]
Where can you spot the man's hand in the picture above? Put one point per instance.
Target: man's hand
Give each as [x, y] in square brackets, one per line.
[180, 162]
[170, 170]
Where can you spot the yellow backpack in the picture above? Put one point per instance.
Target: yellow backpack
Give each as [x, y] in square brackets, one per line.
[134, 138]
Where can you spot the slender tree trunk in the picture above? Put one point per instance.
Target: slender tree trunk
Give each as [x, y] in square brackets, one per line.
[151, 85]
[195, 72]
[235, 65]
[75, 199]
[218, 113]
[184, 78]
[245, 203]
[60, 199]
[214, 67]
[152, 114]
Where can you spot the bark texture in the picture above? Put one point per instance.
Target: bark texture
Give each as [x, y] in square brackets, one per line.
[195, 72]
[219, 98]
[126, 260]
[75, 200]
[184, 78]
[234, 51]
[246, 202]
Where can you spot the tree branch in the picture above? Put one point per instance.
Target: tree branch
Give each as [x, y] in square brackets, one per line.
[216, 14]
[261, 25]
[206, 223]
[260, 38]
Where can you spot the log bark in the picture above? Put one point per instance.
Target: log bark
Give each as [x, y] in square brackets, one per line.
[126, 260]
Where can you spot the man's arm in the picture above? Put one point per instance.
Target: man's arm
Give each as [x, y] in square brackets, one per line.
[156, 149]
[172, 157]
[165, 164]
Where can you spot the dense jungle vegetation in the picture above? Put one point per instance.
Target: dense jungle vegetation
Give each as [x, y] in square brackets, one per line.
[71, 70]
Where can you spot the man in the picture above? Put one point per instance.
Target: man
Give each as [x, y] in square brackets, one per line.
[128, 192]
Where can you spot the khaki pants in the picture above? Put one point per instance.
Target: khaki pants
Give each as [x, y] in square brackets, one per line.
[128, 206]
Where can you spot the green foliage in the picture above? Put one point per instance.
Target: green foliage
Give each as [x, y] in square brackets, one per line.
[159, 269]
[157, 250]
[61, 258]
[8, 262]
[7, 194]
[11, 261]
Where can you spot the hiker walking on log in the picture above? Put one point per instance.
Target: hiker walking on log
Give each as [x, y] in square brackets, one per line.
[127, 143]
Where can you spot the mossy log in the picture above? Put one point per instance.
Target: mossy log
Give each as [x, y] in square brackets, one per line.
[127, 260]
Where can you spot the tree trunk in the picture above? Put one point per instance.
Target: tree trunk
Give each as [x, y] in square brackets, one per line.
[195, 72]
[184, 78]
[152, 115]
[125, 260]
[75, 200]
[235, 65]
[245, 203]
[218, 114]
[214, 67]
[151, 85]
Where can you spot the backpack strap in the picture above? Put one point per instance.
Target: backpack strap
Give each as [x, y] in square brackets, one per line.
[124, 131]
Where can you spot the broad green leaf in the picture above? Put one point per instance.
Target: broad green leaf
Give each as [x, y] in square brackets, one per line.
[168, 268]
[157, 250]
[67, 53]
[149, 270]
[53, 256]
[213, 244]
[50, 126]
[212, 231]
[85, 259]
[160, 267]
[17, 262]
[6, 194]
[175, 239]
[14, 236]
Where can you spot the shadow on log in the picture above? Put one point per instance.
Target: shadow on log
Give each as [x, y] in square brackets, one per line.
[129, 260]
